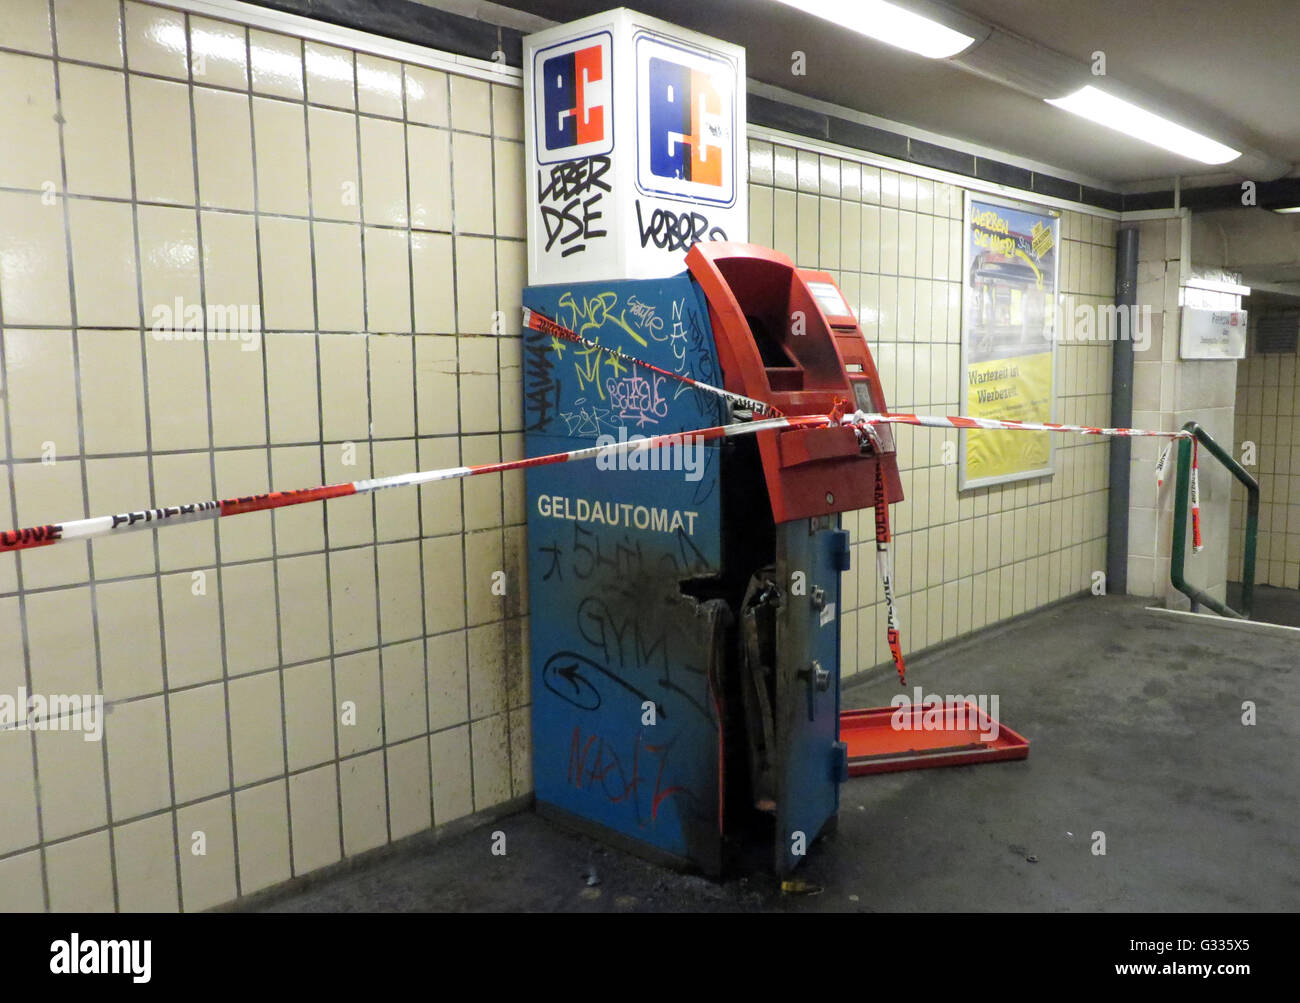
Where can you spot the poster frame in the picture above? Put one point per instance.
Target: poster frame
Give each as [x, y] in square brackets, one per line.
[964, 482]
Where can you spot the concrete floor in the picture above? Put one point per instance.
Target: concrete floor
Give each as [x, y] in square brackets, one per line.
[1271, 604]
[1135, 723]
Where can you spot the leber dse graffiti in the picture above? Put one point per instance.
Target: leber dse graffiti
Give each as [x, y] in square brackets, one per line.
[569, 196]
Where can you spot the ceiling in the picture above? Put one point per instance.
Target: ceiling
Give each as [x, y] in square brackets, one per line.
[1229, 68]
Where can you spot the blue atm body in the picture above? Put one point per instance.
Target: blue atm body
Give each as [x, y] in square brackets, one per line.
[685, 638]
[610, 630]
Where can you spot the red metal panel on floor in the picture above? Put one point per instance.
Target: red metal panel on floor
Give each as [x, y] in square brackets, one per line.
[914, 736]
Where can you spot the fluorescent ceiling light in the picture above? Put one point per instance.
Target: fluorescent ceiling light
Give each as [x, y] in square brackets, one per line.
[1289, 208]
[889, 23]
[1116, 113]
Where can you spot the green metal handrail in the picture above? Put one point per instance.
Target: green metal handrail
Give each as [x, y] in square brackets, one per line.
[1198, 596]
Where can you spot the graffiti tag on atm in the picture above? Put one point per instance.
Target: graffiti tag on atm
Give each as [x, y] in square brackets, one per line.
[541, 385]
[570, 677]
[638, 398]
[569, 200]
[670, 231]
[618, 636]
[595, 311]
[587, 421]
[623, 561]
[594, 764]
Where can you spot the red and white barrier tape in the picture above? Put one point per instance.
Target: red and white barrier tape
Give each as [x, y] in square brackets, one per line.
[1197, 545]
[85, 529]
[540, 322]
[960, 421]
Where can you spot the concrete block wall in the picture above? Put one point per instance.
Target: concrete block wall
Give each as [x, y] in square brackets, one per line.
[1167, 393]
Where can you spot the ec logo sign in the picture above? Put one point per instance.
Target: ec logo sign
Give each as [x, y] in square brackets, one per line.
[685, 123]
[573, 100]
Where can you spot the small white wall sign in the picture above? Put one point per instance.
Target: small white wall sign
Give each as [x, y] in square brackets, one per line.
[1212, 334]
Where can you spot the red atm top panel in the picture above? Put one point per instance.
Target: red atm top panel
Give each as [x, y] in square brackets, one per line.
[787, 336]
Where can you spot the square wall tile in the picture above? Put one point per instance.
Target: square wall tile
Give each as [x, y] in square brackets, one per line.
[330, 79]
[314, 809]
[383, 172]
[138, 765]
[491, 745]
[93, 104]
[262, 816]
[309, 714]
[219, 53]
[33, 261]
[28, 26]
[72, 783]
[250, 608]
[42, 394]
[286, 274]
[60, 636]
[280, 131]
[340, 289]
[400, 608]
[18, 822]
[29, 133]
[404, 691]
[130, 638]
[304, 607]
[224, 147]
[360, 706]
[207, 877]
[177, 476]
[145, 855]
[104, 264]
[276, 63]
[388, 286]
[431, 263]
[410, 806]
[379, 86]
[471, 104]
[471, 165]
[453, 787]
[80, 874]
[429, 153]
[293, 397]
[365, 814]
[156, 41]
[199, 746]
[191, 628]
[20, 876]
[426, 95]
[256, 735]
[335, 188]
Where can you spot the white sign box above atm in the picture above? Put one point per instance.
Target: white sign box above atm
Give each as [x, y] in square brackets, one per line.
[635, 130]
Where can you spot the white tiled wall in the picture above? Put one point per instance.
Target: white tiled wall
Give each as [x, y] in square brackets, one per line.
[1268, 415]
[371, 212]
[894, 244]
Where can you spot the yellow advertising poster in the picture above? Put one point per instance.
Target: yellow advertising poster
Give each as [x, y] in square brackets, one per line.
[1008, 336]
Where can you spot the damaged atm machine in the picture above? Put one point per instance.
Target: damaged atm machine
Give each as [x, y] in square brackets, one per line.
[685, 600]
